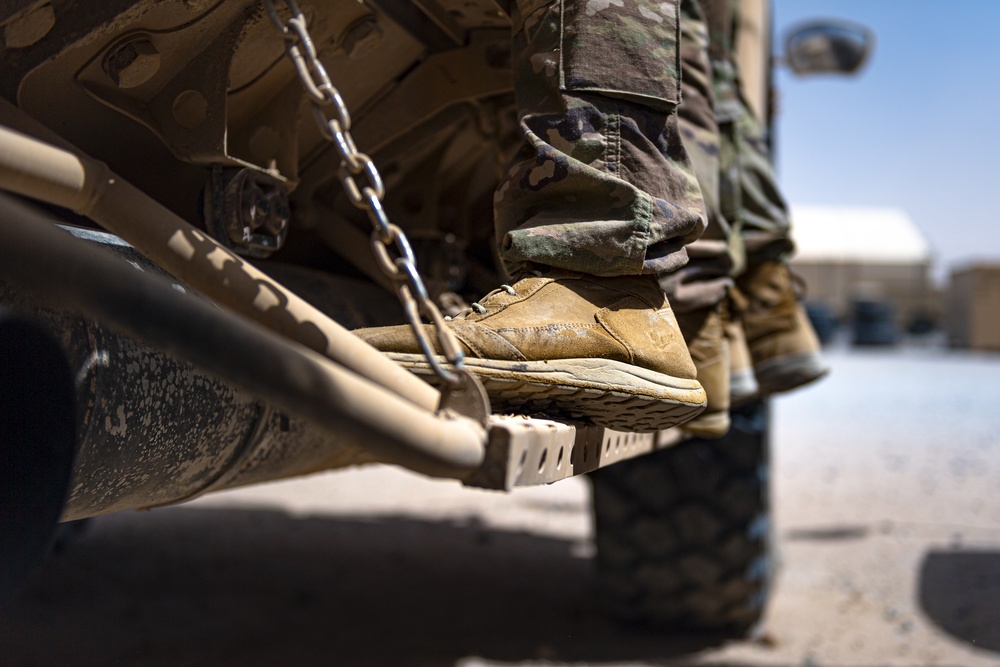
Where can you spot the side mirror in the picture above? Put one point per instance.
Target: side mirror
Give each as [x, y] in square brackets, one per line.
[836, 47]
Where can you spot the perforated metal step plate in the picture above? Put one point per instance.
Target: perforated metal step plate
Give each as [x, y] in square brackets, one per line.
[524, 451]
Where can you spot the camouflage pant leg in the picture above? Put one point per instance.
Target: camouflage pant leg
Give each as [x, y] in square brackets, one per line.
[749, 198]
[762, 221]
[602, 183]
[707, 277]
[696, 116]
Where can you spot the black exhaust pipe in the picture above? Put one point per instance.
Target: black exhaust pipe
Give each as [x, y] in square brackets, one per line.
[151, 430]
[37, 446]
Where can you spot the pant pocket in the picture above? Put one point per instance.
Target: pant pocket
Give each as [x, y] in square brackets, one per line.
[622, 48]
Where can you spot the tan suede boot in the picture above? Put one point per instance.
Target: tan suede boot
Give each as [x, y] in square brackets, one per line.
[783, 346]
[703, 333]
[604, 349]
[742, 383]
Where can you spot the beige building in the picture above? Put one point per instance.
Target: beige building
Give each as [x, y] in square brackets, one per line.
[844, 253]
[973, 307]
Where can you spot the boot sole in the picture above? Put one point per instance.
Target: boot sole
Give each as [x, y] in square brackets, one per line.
[789, 372]
[609, 393]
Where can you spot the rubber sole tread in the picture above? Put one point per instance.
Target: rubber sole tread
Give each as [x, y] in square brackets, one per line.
[612, 409]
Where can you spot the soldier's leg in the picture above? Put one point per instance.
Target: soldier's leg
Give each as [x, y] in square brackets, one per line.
[599, 200]
[763, 220]
[699, 290]
[602, 183]
[783, 346]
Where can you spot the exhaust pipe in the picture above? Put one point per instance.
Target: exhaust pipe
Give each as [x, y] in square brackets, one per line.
[207, 400]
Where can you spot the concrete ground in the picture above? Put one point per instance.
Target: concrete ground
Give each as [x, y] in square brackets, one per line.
[887, 495]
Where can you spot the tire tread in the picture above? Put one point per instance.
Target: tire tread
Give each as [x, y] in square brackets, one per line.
[693, 553]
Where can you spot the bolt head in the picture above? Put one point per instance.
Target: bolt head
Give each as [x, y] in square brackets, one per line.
[133, 63]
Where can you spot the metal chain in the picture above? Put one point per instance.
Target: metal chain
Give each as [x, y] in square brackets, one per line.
[389, 243]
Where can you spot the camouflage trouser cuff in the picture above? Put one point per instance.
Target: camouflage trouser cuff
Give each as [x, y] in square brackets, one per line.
[602, 184]
[765, 247]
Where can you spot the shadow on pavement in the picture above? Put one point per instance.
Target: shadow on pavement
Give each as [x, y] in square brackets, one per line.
[960, 592]
[182, 586]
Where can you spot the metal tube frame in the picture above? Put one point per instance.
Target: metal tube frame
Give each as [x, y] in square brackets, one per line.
[42, 258]
[67, 178]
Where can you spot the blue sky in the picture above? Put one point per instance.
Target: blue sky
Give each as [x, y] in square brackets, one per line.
[919, 128]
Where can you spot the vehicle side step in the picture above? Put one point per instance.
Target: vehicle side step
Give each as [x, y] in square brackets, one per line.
[524, 451]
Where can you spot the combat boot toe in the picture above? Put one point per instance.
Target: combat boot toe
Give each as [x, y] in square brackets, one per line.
[572, 345]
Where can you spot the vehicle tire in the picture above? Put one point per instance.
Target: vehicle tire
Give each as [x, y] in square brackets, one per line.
[683, 535]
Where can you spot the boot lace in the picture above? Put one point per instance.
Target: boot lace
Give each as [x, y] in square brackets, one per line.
[479, 308]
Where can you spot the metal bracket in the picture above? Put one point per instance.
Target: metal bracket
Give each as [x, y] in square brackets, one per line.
[247, 211]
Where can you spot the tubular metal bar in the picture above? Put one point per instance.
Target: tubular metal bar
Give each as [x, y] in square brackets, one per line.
[67, 178]
[49, 261]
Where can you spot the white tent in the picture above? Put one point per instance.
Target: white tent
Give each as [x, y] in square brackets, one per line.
[857, 234]
[846, 252]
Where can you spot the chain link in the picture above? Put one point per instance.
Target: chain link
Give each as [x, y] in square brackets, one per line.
[389, 243]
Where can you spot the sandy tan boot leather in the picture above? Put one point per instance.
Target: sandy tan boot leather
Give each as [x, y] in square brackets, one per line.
[604, 349]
